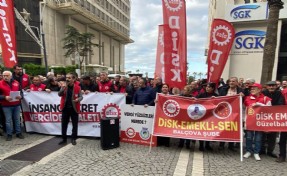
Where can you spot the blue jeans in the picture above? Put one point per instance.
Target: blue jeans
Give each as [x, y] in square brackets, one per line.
[12, 114]
[255, 136]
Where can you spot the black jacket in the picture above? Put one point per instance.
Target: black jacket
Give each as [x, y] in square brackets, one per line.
[207, 95]
[224, 91]
[276, 96]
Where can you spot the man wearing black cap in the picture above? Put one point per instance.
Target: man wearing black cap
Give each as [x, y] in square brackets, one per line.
[277, 99]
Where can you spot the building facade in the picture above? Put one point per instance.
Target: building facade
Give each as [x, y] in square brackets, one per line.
[249, 19]
[108, 20]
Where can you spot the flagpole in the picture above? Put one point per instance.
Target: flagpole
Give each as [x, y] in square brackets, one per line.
[241, 131]
[44, 47]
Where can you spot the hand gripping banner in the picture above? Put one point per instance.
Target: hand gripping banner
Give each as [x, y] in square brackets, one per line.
[7, 33]
[220, 43]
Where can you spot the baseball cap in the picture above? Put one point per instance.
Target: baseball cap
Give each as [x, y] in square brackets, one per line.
[271, 83]
[256, 85]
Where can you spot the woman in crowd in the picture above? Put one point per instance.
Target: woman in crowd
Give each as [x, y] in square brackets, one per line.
[175, 91]
[52, 84]
[186, 93]
[209, 92]
[164, 140]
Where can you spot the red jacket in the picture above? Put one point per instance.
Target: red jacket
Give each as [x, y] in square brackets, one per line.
[5, 90]
[249, 100]
[105, 86]
[76, 94]
[25, 81]
[41, 87]
[284, 93]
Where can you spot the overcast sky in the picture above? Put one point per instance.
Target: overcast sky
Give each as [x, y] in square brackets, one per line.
[146, 15]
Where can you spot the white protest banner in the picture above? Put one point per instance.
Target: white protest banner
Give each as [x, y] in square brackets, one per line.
[136, 124]
[42, 115]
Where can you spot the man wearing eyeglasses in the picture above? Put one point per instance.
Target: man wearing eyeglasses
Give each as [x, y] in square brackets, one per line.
[11, 108]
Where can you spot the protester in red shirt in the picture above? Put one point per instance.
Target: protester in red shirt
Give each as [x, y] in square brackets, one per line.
[21, 77]
[37, 85]
[256, 98]
[105, 85]
[11, 108]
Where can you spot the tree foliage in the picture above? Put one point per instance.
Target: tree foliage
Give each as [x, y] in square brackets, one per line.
[76, 43]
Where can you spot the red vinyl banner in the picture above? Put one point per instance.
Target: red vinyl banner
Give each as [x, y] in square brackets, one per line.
[174, 15]
[216, 119]
[266, 118]
[7, 33]
[159, 64]
[220, 43]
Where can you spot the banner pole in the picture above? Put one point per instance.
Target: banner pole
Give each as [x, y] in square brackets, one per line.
[153, 123]
[241, 131]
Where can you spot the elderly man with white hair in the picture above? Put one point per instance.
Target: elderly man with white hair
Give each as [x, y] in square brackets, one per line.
[248, 83]
[11, 107]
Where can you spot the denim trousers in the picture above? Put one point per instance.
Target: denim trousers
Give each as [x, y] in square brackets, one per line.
[256, 137]
[12, 113]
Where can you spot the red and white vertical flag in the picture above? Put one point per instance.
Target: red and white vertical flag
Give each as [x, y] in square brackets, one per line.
[163, 41]
[220, 43]
[159, 63]
[175, 64]
[7, 33]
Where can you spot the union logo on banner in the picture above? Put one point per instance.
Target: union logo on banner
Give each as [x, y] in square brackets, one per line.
[173, 5]
[216, 119]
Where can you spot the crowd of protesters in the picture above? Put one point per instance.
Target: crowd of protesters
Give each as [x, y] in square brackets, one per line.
[142, 91]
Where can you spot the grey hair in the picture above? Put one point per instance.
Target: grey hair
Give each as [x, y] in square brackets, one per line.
[9, 72]
[250, 80]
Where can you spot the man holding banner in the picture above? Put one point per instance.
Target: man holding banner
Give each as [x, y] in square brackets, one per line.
[231, 89]
[270, 137]
[256, 98]
[71, 96]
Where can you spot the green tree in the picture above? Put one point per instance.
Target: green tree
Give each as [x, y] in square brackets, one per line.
[200, 74]
[190, 79]
[77, 43]
[194, 74]
[271, 40]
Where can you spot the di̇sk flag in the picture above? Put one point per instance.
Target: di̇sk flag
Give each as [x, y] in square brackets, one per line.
[220, 43]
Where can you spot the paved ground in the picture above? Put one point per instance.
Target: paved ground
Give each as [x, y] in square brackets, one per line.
[87, 158]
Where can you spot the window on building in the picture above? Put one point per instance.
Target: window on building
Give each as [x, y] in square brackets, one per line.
[283, 42]
[103, 16]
